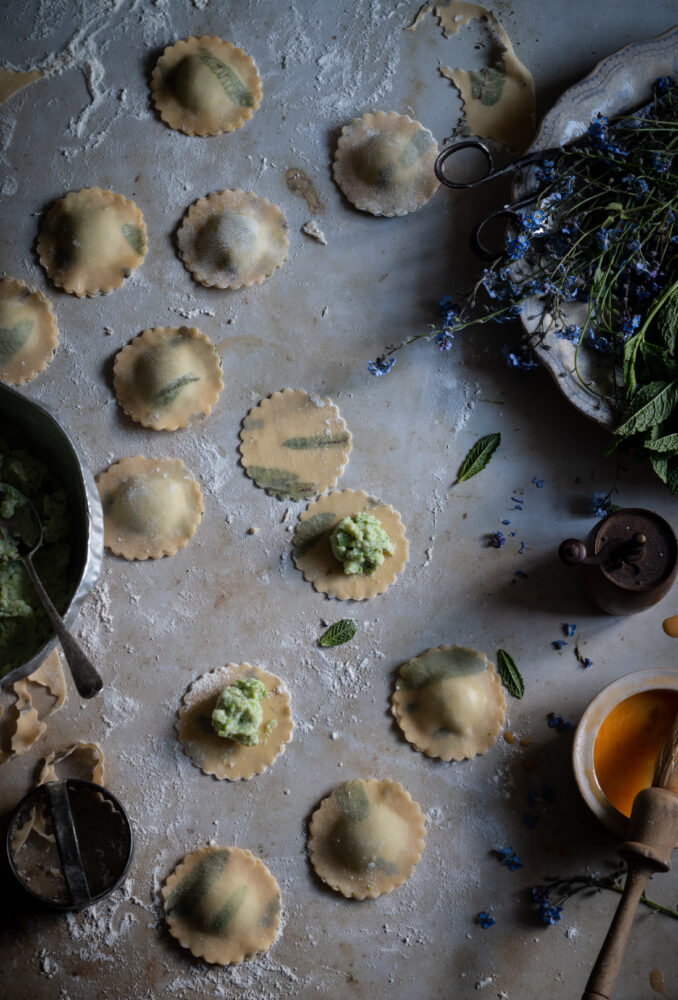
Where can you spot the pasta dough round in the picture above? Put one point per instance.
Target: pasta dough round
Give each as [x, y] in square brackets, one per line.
[205, 86]
[28, 332]
[450, 703]
[313, 553]
[294, 445]
[168, 377]
[92, 240]
[384, 163]
[223, 904]
[226, 758]
[232, 239]
[366, 837]
[152, 507]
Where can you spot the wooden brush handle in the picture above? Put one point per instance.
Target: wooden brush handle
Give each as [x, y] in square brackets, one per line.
[604, 973]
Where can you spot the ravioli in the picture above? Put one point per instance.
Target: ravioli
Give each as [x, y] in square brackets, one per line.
[227, 758]
[223, 904]
[384, 163]
[366, 837]
[168, 377]
[294, 445]
[312, 548]
[450, 703]
[152, 507]
[92, 240]
[205, 86]
[232, 239]
[28, 332]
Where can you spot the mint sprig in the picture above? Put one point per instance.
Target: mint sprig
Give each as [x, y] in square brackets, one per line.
[339, 633]
[510, 675]
[478, 456]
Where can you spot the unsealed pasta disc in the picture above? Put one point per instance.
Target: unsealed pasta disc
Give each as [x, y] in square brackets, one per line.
[294, 445]
[313, 553]
[152, 507]
[168, 377]
[231, 239]
[227, 758]
[92, 240]
[205, 86]
[450, 703]
[28, 332]
[223, 904]
[366, 837]
[384, 163]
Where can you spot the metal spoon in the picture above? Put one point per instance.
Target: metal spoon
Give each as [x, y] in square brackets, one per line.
[86, 677]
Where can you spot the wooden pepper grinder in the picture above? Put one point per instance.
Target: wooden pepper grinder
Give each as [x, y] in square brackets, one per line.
[628, 562]
[653, 834]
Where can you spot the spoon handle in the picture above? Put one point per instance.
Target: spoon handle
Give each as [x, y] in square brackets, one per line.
[86, 677]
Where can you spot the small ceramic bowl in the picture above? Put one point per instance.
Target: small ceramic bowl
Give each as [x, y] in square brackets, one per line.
[587, 730]
[38, 430]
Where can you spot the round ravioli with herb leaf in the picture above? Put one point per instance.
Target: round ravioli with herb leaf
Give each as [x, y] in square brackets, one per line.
[294, 445]
[28, 332]
[384, 163]
[223, 904]
[366, 837]
[92, 240]
[450, 703]
[168, 377]
[205, 86]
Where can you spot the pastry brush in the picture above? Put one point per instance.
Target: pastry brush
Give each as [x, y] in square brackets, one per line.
[652, 835]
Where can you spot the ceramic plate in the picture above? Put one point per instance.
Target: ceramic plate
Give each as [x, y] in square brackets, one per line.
[619, 83]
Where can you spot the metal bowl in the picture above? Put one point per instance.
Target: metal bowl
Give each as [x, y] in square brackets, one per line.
[38, 430]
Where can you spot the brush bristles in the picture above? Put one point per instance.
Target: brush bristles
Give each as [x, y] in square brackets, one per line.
[666, 765]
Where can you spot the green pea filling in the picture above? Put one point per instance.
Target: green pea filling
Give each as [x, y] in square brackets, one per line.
[238, 713]
[360, 543]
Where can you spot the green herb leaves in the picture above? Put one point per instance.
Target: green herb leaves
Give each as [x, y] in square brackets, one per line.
[339, 633]
[478, 457]
[510, 675]
[13, 338]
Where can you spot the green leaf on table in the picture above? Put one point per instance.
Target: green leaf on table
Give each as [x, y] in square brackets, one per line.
[667, 443]
[668, 324]
[339, 633]
[651, 405]
[478, 457]
[510, 675]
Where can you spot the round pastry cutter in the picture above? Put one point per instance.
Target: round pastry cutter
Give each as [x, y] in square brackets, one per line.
[69, 843]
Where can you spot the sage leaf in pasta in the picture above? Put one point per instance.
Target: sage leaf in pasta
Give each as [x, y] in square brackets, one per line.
[339, 633]
[319, 441]
[230, 81]
[478, 457]
[352, 799]
[281, 483]
[311, 531]
[170, 392]
[510, 675]
[134, 237]
[13, 338]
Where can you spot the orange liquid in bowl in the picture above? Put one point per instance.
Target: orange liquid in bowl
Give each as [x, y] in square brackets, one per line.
[628, 742]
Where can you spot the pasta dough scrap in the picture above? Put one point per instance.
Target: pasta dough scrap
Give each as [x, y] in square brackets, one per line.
[294, 445]
[205, 86]
[152, 507]
[226, 758]
[27, 723]
[312, 551]
[28, 332]
[384, 163]
[92, 240]
[168, 377]
[223, 904]
[232, 239]
[366, 837]
[450, 703]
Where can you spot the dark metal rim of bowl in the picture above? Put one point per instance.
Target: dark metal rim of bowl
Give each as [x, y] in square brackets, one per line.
[41, 432]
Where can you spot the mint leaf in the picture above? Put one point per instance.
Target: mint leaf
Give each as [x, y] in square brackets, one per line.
[478, 457]
[669, 443]
[651, 405]
[339, 633]
[510, 675]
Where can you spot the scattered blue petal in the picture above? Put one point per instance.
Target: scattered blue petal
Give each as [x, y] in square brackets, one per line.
[523, 548]
[495, 539]
[568, 629]
[558, 643]
[558, 723]
[539, 483]
[484, 920]
[381, 366]
[521, 573]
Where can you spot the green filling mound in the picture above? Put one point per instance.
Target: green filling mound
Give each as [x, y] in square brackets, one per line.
[238, 713]
[24, 627]
[360, 542]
